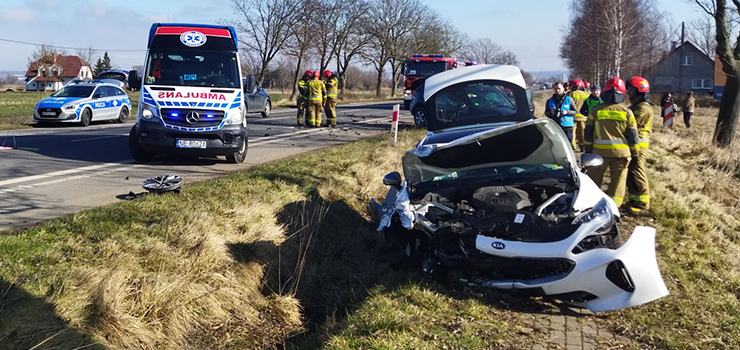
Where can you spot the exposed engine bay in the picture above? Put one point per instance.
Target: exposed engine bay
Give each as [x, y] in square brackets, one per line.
[523, 212]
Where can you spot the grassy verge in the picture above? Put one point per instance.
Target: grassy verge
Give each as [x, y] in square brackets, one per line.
[242, 261]
[695, 192]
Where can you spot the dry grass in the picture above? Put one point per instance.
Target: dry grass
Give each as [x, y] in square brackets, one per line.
[695, 206]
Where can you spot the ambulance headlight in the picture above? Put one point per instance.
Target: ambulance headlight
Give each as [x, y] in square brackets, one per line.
[233, 118]
[149, 113]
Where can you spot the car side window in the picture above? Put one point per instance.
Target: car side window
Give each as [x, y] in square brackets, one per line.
[119, 92]
[99, 91]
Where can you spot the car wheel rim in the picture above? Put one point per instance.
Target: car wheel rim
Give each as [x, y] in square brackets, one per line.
[267, 108]
[420, 117]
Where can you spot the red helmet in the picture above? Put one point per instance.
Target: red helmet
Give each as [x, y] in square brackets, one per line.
[587, 84]
[639, 83]
[308, 73]
[576, 84]
[327, 73]
[566, 84]
[615, 84]
[316, 74]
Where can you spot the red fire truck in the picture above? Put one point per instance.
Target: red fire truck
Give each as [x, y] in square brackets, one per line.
[422, 66]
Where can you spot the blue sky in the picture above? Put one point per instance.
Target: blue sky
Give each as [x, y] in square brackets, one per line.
[532, 29]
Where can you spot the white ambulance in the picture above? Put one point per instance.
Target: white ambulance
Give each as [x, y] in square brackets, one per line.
[191, 99]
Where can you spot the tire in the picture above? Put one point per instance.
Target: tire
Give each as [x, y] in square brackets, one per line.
[122, 115]
[86, 117]
[240, 156]
[406, 105]
[136, 151]
[266, 109]
[420, 117]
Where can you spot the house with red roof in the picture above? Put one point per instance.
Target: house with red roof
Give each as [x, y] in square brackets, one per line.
[52, 74]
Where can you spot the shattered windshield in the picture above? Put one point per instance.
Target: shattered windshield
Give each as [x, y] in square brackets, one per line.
[475, 101]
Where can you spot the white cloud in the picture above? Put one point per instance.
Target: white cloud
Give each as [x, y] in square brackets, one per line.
[96, 9]
[18, 15]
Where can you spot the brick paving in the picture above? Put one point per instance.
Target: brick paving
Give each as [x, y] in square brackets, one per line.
[568, 328]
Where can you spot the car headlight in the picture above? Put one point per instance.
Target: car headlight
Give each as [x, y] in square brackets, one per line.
[600, 216]
[68, 107]
[149, 113]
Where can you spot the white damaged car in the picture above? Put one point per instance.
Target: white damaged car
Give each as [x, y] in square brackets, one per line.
[496, 196]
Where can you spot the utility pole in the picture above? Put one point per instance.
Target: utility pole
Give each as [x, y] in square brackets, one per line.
[680, 65]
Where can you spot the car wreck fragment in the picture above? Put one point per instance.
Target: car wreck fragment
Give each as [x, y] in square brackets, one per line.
[504, 204]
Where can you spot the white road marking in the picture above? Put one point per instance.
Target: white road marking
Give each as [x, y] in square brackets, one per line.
[99, 138]
[62, 173]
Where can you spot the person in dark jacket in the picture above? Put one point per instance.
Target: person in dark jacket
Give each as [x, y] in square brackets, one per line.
[592, 101]
[562, 109]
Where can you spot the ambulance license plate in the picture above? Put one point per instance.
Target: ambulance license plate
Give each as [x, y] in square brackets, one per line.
[191, 144]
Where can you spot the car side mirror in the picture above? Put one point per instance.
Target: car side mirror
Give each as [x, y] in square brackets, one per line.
[134, 80]
[250, 84]
[591, 160]
[393, 179]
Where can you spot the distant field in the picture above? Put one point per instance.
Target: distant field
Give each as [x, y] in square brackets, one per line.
[16, 108]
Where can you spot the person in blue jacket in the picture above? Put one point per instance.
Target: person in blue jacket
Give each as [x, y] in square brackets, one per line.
[562, 109]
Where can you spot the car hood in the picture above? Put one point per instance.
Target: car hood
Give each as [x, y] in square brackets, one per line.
[56, 102]
[186, 96]
[537, 141]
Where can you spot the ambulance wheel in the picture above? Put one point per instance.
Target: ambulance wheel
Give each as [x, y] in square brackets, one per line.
[136, 151]
[86, 117]
[238, 157]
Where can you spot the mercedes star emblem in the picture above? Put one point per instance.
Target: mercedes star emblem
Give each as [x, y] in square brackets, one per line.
[192, 117]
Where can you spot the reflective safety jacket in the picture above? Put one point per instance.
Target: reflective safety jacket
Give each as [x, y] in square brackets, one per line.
[590, 103]
[578, 98]
[643, 112]
[567, 106]
[331, 87]
[316, 90]
[611, 131]
[302, 88]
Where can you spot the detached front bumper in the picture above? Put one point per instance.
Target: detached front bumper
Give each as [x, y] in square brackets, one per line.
[155, 138]
[614, 279]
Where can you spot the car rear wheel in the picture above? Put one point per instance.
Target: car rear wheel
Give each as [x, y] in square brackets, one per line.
[86, 117]
[122, 115]
[267, 109]
[136, 151]
[420, 116]
[238, 157]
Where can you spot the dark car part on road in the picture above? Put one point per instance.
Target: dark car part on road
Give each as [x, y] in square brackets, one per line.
[162, 183]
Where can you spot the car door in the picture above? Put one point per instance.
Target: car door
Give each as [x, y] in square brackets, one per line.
[252, 103]
[99, 105]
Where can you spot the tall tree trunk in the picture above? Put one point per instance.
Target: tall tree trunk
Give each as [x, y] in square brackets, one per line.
[729, 108]
[296, 76]
[394, 81]
[380, 81]
[340, 75]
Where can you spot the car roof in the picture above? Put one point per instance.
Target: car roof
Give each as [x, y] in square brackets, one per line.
[93, 82]
[439, 81]
[114, 71]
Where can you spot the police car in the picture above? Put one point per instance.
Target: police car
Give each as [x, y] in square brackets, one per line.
[82, 102]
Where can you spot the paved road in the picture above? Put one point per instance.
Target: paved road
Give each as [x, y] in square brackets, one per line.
[57, 171]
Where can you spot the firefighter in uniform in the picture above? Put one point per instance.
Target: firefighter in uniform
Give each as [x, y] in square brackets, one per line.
[579, 96]
[302, 100]
[316, 100]
[611, 132]
[332, 83]
[638, 89]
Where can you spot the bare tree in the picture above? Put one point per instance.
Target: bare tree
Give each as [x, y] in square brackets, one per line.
[350, 38]
[266, 27]
[703, 34]
[88, 54]
[45, 53]
[729, 55]
[302, 34]
[484, 50]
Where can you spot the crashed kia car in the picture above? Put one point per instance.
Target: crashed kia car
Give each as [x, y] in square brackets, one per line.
[497, 196]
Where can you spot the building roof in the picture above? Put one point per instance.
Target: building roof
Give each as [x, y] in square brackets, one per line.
[678, 49]
[70, 66]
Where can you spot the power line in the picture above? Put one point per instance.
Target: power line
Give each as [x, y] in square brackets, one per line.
[67, 47]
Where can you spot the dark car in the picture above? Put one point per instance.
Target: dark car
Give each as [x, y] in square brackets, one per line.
[257, 101]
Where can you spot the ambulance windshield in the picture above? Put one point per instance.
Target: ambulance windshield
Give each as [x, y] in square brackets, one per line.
[192, 68]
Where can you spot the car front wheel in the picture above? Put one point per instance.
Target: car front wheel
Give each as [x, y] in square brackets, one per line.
[420, 116]
[267, 109]
[86, 117]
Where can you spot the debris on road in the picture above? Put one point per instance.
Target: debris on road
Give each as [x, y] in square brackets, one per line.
[162, 184]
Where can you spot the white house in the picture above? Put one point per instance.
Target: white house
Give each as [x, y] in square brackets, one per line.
[54, 74]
